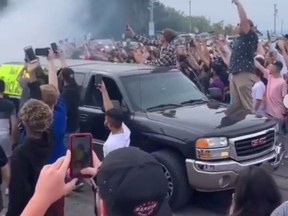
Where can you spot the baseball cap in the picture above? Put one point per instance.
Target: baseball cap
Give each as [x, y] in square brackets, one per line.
[132, 183]
[67, 73]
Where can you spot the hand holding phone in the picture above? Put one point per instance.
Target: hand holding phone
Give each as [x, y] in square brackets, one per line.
[42, 52]
[81, 154]
[98, 79]
[54, 47]
[30, 54]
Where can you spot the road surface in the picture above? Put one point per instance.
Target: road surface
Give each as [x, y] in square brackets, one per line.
[203, 204]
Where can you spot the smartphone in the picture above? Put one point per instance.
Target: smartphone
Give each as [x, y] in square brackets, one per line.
[98, 79]
[54, 47]
[42, 52]
[81, 154]
[30, 54]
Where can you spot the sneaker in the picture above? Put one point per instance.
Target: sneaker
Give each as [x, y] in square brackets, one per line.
[6, 191]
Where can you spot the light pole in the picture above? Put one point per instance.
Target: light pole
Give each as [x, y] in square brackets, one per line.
[190, 17]
[275, 17]
[151, 22]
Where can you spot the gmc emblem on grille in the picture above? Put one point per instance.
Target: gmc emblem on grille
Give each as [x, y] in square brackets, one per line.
[258, 142]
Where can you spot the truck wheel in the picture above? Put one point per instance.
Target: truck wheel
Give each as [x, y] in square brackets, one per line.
[179, 191]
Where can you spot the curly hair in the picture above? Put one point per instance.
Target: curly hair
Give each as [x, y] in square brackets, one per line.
[36, 115]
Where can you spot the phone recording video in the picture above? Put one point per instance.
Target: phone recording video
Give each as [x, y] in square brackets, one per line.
[98, 79]
[54, 47]
[42, 52]
[81, 154]
[30, 54]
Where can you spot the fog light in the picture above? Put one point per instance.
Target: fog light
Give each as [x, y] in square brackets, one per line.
[225, 181]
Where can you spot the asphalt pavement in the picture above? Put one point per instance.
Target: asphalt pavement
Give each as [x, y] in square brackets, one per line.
[203, 204]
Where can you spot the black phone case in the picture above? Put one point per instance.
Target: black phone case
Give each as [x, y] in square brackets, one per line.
[42, 52]
[30, 55]
[54, 47]
[98, 79]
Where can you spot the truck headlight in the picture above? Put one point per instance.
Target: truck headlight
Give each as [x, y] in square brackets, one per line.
[212, 148]
[211, 143]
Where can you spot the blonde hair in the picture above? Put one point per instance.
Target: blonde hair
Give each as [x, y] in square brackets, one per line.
[36, 115]
[50, 95]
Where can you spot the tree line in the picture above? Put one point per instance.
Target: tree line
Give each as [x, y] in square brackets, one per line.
[109, 18]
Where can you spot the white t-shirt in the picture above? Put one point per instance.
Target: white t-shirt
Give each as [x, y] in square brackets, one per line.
[258, 93]
[116, 141]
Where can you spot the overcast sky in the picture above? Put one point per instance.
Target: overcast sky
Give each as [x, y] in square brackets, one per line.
[260, 11]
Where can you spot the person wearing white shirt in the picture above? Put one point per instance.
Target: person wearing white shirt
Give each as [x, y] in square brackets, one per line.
[259, 90]
[119, 136]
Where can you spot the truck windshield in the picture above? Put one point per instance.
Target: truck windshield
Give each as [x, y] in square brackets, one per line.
[155, 89]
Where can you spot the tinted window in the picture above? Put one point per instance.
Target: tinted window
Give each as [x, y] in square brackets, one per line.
[149, 90]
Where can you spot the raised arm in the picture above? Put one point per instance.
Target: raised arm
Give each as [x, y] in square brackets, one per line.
[244, 23]
[130, 32]
[106, 99]
[52, 71]
[260, 67]
[62, 59]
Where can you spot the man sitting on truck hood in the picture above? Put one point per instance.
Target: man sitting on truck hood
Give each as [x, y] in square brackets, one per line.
[119, 136]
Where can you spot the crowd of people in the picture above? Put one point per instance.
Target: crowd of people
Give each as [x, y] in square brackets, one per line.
[34, 151]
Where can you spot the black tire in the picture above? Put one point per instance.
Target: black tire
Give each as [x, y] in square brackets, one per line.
[174, 168]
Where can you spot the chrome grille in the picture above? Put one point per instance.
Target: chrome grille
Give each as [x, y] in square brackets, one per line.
[255, 145]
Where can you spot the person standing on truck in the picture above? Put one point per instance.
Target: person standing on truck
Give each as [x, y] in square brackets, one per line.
[8, 126]
[119, 136]
[242, 62]
[168, 53]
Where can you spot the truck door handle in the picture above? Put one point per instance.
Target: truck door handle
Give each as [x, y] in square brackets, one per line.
[83, 117]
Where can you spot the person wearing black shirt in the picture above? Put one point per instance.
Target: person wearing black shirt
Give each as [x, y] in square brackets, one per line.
[29, 158]
[71, 95]
[242, 62]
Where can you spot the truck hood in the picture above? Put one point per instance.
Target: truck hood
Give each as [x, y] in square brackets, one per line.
[204, 120]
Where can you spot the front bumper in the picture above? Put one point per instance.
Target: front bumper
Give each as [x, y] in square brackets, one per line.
[212, 176]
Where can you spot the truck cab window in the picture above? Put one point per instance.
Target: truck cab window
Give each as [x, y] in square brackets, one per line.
[93, 96]
[114, 92]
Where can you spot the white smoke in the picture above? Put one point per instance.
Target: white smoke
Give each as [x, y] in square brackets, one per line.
[38, 23]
